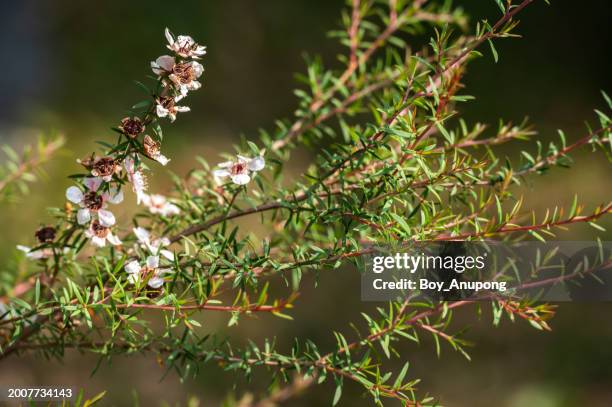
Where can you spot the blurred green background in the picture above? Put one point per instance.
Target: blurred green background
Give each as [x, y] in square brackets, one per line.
[68, 67]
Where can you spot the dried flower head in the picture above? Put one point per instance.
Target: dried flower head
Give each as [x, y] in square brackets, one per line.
[46, 234]
[153, 151]
[104, 167]
[132, 126]
[184, 46]
[166, 107]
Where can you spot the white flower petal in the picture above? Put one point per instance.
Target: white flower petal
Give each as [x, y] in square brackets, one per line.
[106, 218]
[221, 173]
[74, 195]
[198, 69]
[169, 37]
[257, 164]
[182, 109]
[24, 249]
[155, 282]
[83, 216]
[132, 267]
[98, 241]
[161, 111]
[112, 239]
[167, 254]
[162, 159]
[142, 235]
[153, 262]
[241, 179]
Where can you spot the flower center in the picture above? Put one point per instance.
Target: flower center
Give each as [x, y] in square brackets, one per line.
[93, 201]
[184, 72]
[45, 234]
[239, 168]
[99, 230]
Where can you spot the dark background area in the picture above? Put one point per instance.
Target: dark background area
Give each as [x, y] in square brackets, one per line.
[67, 67]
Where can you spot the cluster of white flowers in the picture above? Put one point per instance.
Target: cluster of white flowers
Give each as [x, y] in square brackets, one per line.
[178, 75]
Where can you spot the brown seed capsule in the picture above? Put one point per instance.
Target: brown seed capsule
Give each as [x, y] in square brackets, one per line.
[45, 234]
[104, 167]
[132, 126]
[151, 147]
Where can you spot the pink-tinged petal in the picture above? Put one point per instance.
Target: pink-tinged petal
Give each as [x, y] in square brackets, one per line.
[166, 62]
[93, 183]
[142, 235]
[241, 179]
[132, 267]
[74, 195]
[98, 241]
[153, 262]
[257, 164]
[112, 239]
[106, 218]
[169, 37]
[155, 282]
[83, 216]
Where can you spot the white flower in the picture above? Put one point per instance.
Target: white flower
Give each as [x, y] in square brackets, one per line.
[136, 178]
[240, 170]
[159, 205]
[149, 271]
[153, 151]
[166, 107]
[184, 75]
[100, 234]
[93, 202]
[154, 246]
[184, 46]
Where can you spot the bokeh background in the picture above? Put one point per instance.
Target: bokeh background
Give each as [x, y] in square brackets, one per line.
[67, 67]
